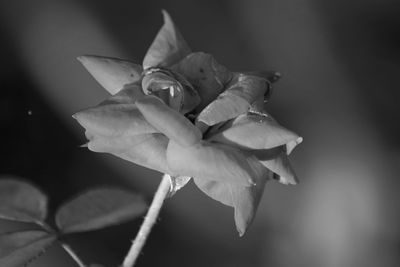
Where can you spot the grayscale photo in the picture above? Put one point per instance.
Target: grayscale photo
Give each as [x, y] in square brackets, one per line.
[257, 133]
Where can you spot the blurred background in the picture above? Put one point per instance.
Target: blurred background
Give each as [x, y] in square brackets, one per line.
[340, 88]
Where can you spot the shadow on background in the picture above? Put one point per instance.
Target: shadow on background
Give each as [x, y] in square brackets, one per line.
[340, 62]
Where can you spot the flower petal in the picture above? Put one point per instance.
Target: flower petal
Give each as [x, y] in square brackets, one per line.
[191, 98]
[218, 191]
[128, 95]
[254, 131]
[212, 162]
[259, 108]
[172, 88]
[157, 81]
[112, 73]
[114, 120]
[271, 76]
[292, 144]
[168, 47]
[277, 161]
[148, 150]
[170, 122]
[236, 100]
[245, 200]
[164, 87]
[205, 74]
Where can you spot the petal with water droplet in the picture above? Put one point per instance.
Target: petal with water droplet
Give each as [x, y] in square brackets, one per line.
[165, 87]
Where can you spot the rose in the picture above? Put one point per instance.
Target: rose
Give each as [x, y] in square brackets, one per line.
[184, 114]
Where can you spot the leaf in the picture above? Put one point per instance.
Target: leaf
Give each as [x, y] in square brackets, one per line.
[254, 131]
[236, 100]
[168, 47]
[114, 120]
[97, 209]
[205, 74]
[212, 162]
[19, 248]
[148, 150]
[21, 201]
[112, 73]
[243, 199]
[168, 121]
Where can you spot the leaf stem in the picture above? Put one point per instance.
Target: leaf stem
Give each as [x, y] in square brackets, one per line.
[149, 221]
[73, 255]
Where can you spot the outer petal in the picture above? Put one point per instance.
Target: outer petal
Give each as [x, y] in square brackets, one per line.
[212, 162]
[114, 120]
[170, 122]
[260, 110]
[205, 74]
[112, 73]
[271, 76]
[245, 200]
[148, 150]
[168, 47]
[254, 131]
[292, 144]
[219, 191]
[236, 100]
[128, 95]
[277, 161]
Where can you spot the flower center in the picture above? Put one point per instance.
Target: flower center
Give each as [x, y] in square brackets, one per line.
[171, 87]
[162, 83]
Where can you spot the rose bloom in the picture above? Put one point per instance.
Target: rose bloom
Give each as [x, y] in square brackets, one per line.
[184, 114]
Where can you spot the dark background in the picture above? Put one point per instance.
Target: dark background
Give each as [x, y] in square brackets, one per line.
[341, 65]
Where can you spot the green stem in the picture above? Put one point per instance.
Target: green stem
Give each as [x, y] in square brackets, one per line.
[149, 221]
[73, 255]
